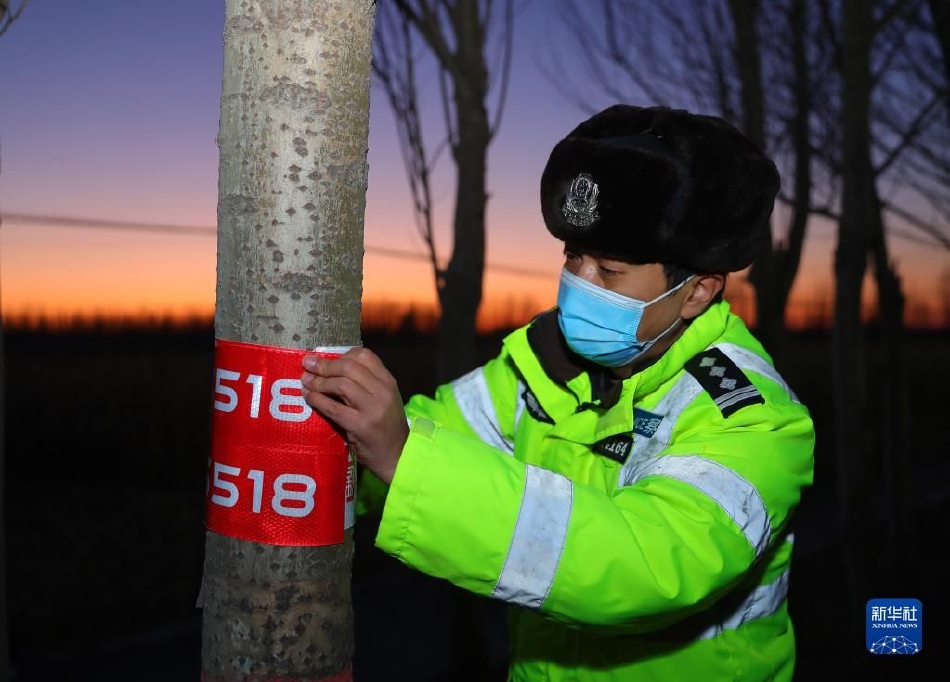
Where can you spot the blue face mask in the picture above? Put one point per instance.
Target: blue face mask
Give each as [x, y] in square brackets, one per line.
[601, 325]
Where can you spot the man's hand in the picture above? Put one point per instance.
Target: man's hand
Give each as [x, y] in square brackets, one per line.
[358, 394]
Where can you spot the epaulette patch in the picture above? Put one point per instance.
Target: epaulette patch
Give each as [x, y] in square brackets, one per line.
[728, 385]
[534, 407]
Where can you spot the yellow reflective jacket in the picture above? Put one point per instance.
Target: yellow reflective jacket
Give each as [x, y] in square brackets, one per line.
[637, 528]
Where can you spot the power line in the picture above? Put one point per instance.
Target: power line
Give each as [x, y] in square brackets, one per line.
[70, 221]
[206, 231]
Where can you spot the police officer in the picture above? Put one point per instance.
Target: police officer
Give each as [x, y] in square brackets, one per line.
[623, 473]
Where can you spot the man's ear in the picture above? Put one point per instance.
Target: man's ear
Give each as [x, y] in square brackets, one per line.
[700, 293]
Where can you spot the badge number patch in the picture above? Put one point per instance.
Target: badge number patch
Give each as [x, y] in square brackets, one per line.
[616, 447]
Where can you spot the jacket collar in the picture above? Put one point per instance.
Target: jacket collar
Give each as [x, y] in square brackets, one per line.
[543, 357]
[562, 365]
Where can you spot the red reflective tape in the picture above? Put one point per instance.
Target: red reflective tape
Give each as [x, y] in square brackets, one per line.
[345, 676]
[278, 473]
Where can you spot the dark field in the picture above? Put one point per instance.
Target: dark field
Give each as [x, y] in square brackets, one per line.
[107, 435]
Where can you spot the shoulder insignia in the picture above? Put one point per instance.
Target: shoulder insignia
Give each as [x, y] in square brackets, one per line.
[534, 407]
[728, 386]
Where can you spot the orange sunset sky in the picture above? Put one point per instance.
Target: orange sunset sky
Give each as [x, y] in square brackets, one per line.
[109, 112]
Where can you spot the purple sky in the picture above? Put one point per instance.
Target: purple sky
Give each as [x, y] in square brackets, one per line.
[109, 109]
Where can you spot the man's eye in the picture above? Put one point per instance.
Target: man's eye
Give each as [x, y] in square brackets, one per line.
[608, 271]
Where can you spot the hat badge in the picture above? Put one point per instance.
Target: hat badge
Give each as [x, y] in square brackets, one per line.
[580, 204]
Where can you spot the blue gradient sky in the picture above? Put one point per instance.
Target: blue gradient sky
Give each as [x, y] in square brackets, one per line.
[109, 109]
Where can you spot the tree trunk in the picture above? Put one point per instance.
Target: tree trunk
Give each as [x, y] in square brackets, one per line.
[790, 253]
[291, 197]
[897, 495]
[852, 439]
[940, 11]
[461, 293]
[768, 318]
[749, 63]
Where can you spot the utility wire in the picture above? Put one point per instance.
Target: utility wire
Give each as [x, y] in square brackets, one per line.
[70, 221]
[205, 231]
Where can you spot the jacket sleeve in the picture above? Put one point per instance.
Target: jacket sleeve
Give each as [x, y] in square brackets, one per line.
[480, 404]
[635, 560]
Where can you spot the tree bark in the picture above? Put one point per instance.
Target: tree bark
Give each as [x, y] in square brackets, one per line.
[852, 442]
[291, 198]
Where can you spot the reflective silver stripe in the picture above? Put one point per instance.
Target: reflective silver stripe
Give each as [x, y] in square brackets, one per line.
[736, 396]
[538, 539]
[473, 398]
[737, 497]
[763, 601]
[670, 407]
[746, 359]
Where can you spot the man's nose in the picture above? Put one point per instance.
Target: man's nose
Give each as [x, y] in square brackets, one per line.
[589, 271]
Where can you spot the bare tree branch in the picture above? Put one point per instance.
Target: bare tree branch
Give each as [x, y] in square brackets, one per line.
[507, 48]
[893, 12]
[910, 133]
[445, 97]
[712, 45]
[896, 46]
[831, 34]
[939, 239]
[7, 17]
[394, 67]
[458, 36]
[922, 225]
[426, 21]
[924, 163]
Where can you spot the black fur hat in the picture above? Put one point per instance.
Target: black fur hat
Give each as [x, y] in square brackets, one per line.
[660, 185]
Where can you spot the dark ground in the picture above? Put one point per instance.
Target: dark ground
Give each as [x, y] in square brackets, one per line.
[107, 435]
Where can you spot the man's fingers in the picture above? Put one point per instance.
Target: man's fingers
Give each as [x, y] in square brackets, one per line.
[344, 366]
[358, 357]
[342, 415]
[351, 392]
[361, 365]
